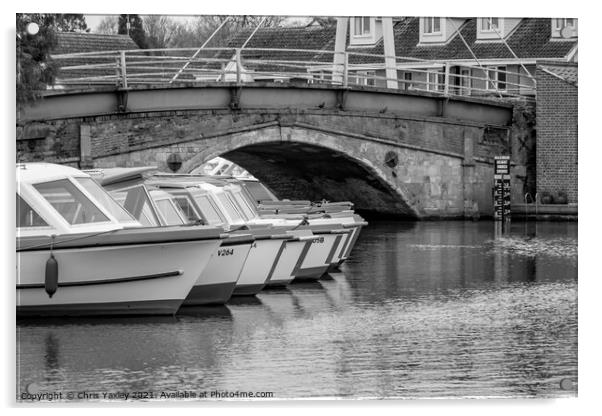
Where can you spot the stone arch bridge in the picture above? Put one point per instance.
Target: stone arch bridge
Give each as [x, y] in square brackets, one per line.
[416, 155]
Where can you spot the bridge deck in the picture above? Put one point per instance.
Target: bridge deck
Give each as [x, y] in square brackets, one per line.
[266, 96]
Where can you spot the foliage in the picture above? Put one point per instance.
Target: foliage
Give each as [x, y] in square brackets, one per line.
[34, 68]
[161, 31]
[70, 23]
[205, 26]
[108, 25]
[131, 24]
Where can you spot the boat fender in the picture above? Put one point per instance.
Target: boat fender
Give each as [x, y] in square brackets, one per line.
[51, 280]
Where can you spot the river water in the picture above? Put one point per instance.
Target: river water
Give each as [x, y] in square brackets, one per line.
[428, 309]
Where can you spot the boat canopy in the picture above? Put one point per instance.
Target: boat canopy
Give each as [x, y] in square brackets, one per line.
[55, 199]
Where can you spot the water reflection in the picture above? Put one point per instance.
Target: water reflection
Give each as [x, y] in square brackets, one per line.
[419, 310]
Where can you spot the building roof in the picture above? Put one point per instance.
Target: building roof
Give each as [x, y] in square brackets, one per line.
[276, 44]
[78, 42]
[566, 72]
[75, 42]
[306, 37]
[531, 39]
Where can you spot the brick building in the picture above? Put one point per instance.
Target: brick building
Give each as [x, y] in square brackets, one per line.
[557, 129]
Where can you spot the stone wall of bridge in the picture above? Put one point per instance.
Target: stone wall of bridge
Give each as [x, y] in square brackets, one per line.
[439, 172]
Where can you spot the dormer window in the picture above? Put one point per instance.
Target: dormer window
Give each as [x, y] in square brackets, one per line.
[490, 24]
[432, 25]
[438, 30]
[559, 24]
[495, 29]
[364, 31]
[564, 28]
[361, 26]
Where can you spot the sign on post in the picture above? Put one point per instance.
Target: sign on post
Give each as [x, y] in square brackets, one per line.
[501, 191]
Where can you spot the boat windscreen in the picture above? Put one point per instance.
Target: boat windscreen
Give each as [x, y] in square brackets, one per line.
[230, 209]
[259, 191]
[136, 202]
[70, 202]
[209, 211]
[169, 212]
[105, 199]
[249, 212]
[187, 207]
[26, 216]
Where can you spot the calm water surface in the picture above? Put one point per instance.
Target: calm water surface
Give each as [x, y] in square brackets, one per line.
[431, 309]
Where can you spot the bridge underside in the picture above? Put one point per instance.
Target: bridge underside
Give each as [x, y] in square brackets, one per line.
[301, 171]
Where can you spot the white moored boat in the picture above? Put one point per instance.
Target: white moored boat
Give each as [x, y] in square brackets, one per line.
[313, 261]
[322, 212]
[154, 207]
[267, 249]
[74, 256]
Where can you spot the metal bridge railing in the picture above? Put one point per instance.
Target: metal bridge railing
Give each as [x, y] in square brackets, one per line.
[190, 65]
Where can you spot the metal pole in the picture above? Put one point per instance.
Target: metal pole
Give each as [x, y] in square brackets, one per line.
[124, 79]
[512, 52]
[389, 52]
[346, 70]
[199, 50]
[339, 49]
[446, 90]
[238, 66]
[237, 55]
[485, 71]
[253, 34]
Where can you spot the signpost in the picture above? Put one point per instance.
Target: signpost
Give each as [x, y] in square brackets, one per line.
[501, 192]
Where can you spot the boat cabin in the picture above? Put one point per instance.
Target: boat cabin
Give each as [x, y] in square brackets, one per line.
[54, 200]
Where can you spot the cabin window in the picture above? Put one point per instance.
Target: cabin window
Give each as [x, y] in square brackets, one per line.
[259, 192]
[136, 201]
[230, 210]
[169, 212]
[244, 206]
[432, 25]
[70, 202]
[147, 216]
[105, 199]
[26, 216]
[187, 208]
[209, 212]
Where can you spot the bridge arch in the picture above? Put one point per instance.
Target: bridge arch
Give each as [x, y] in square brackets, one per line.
[299, 163]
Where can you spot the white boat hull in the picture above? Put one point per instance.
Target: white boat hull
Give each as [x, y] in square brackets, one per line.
[218, 280]
[319, 257]
[112, 280]
[292, 256]
[263, 256]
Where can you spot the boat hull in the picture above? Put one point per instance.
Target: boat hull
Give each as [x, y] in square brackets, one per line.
[218, 280]
[292, 256]
[263, 256]
[125, 279]
[319, 257]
